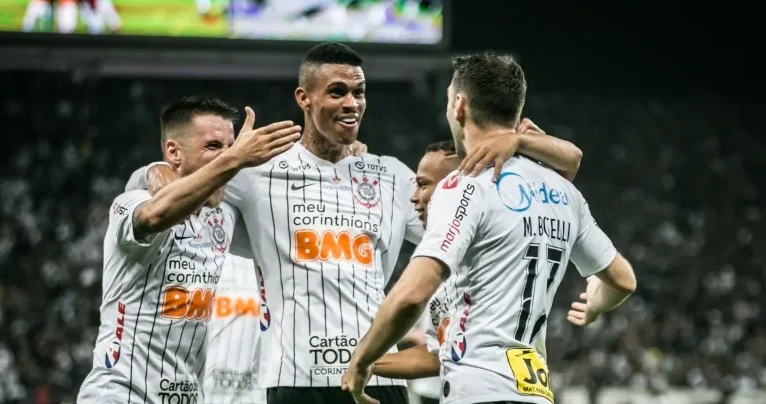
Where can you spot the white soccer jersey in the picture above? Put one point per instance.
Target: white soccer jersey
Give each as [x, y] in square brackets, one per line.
[326, 238]
[435, 322]
[157, 298]
[232, 362]
[509, 244]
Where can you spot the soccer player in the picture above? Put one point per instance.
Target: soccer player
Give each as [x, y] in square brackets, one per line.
[163, 257]
[325, 228]
[234, 329]
[439, 160]
[422, 361]
[231, 367]
[508, 243]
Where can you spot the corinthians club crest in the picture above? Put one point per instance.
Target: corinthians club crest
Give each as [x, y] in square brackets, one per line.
[365, 192]
[218, 234]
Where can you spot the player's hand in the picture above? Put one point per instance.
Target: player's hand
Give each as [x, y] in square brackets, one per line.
[355, 380]
[257, 146]
[357, 149]
[527, 127]
[493, 150]
[582, 313]
[158, 176]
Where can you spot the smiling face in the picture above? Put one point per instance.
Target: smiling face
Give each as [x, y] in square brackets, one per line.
[433, 167]
[334, 100]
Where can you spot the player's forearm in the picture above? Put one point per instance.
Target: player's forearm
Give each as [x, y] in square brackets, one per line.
[608, 298]
[558, 154]
[412, 363]
[395, 318]
[179, 199]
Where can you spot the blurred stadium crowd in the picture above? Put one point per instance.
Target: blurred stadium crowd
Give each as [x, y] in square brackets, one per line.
[673, 180]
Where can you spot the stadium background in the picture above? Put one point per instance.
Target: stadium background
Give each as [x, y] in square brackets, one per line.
[666, 110]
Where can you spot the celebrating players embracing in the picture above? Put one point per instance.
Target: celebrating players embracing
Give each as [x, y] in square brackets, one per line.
[508, 243]
[163, 257]
[325, 228]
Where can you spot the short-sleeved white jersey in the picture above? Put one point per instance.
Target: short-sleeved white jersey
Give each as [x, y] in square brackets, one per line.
[231, 368]
[157, 298]
[508, 243]
[434, 322]
[326, 238]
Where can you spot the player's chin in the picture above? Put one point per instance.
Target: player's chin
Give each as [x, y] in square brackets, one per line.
[346, 134]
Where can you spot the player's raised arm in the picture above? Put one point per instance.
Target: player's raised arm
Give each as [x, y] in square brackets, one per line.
[562, 156]
[181, 198]
[456, 210]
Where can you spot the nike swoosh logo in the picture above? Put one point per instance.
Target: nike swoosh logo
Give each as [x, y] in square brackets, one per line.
[295, 187]
[182, 237]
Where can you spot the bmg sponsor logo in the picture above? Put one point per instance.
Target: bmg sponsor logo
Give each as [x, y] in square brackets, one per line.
[330, 355]
[190, 304]
[114, 349]
[518, 194]
[440, 318]
[335, 247]
[457, 219]
[233, 306]
[178, 392]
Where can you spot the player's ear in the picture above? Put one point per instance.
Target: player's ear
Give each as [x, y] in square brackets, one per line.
[302, 98]
[460, 105]
[173, 152]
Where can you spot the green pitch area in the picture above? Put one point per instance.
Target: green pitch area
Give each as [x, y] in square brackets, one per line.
[139, 17]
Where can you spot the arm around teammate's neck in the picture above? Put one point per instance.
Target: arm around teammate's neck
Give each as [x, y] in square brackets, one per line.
[180, 199]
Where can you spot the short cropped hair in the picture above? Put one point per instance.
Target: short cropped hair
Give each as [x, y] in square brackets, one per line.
[495, 86]
[446, 146]
[326, 53]
[180, 112]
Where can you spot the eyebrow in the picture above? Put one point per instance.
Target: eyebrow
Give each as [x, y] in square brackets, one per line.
[342, 83]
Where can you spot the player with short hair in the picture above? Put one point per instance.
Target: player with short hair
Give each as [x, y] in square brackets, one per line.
[326, 228]
[163, 256]
[234, 329]
[421, 362]
[508, 243]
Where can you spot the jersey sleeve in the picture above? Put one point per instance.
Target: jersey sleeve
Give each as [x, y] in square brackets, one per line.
[454, 214]
[592, 251]
[121, 220]
[138, 179]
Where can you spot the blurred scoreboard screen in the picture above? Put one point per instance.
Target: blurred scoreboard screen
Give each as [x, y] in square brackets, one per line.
[373, 21]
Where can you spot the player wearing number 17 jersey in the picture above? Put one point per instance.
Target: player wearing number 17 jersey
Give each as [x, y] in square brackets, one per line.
[325, 228]
[508, 243]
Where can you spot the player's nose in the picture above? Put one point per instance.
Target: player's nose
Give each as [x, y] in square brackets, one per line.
[350, 103]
